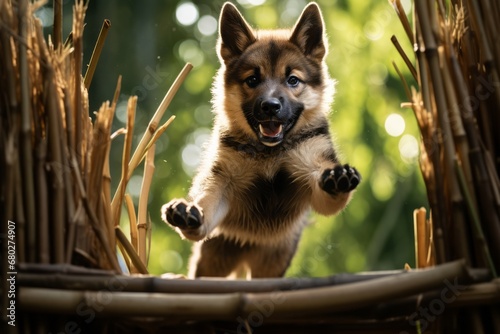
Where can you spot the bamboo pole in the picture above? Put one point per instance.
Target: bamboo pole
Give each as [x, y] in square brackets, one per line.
[57, 191]
[228, 306]
[96, 53]
[421, 241]
[138, 263]
[142, 215]
[132, 221]
[79, 278]
[58, 22]
[78, 16]
[127, 147]
[26, 120]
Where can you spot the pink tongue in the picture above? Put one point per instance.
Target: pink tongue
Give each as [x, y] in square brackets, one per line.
[270, 129]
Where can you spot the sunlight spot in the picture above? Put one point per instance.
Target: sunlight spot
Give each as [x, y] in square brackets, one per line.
[46, 16]
[207, 25]
[395, 125]
[383, 185]
[408, 148]
[187, 13]
[374, 30]
[377, 74]
[203, 114]
[190, 52]
[191, 155]
[251, 2]
[134, 185]
[121, 111]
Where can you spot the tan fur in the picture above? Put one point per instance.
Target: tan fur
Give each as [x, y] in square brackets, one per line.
[248, 201]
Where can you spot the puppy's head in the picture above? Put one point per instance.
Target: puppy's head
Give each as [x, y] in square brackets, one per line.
[272, 82]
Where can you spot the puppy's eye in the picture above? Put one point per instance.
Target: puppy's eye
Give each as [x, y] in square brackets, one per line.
[293, 81]
[252, 81]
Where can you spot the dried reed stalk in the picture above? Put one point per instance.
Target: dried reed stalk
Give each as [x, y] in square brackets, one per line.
[142, 216]
[56, 173]
[106, 25]
[133, 221]
[140, 151]
[456, 102]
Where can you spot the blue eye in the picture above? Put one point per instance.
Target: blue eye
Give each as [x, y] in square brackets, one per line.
[252, 81]
[293, 81]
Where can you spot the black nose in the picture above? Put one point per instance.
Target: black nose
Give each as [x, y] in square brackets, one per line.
[271, 106]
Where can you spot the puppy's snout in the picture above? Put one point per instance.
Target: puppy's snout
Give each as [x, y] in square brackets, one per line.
[271, 107]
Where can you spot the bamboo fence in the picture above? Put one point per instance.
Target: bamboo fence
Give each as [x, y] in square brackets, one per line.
[59, 215]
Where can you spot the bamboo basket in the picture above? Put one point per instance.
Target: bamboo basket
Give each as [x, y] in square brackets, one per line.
[61, 247]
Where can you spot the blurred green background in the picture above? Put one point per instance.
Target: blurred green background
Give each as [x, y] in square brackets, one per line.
[149, 43]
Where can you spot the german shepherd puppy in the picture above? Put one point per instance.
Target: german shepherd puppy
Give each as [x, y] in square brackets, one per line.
[271, 158]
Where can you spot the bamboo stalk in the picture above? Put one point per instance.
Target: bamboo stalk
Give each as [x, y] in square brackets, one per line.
[78, 16]
[421, 241]
[43, 253]
[20, 220]
[142, 215]
[132, 221]
[152, 126]
[79, 278]
[26, 147]
[96, 53]
[93, 219]
[357, 295]
[158, 133]
[57, 179]
[407, 61]
[403, 80]
[127, 147]
[479, 235]
[58, 22]
[396, 4]
[302, 303]
[153, 123]
[138, 263]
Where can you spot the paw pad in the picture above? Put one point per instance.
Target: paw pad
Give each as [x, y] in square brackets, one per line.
[182, 214]
[340, 179]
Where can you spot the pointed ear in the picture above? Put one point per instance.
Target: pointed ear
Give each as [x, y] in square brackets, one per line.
[308, 33]
[235, 35]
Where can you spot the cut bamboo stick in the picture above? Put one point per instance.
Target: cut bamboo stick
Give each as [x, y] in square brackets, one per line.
[132, 220]
[421, 240]
[138, 263]
[106, 25]
[142, 214]
[58, 23]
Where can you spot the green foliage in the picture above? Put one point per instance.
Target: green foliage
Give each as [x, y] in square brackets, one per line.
[148, 46]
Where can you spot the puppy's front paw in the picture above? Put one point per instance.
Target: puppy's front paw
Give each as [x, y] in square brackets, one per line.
[179, 213]
[340, 179]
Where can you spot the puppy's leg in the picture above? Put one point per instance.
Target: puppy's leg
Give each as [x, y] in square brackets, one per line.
[196, 220]
[271, 261]
[334, 188]
[216, 257]
[331, 183]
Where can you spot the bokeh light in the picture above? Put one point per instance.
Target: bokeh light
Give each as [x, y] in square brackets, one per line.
[395, 125]
[408, 148]
[187, 13]
[207, 25]
[248, 3]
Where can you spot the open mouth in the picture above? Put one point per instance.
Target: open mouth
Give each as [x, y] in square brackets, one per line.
[271, 132]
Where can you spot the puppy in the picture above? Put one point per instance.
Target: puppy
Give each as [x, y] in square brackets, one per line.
[270, 158]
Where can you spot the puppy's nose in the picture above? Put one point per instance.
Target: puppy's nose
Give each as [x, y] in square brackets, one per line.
[271, 106]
